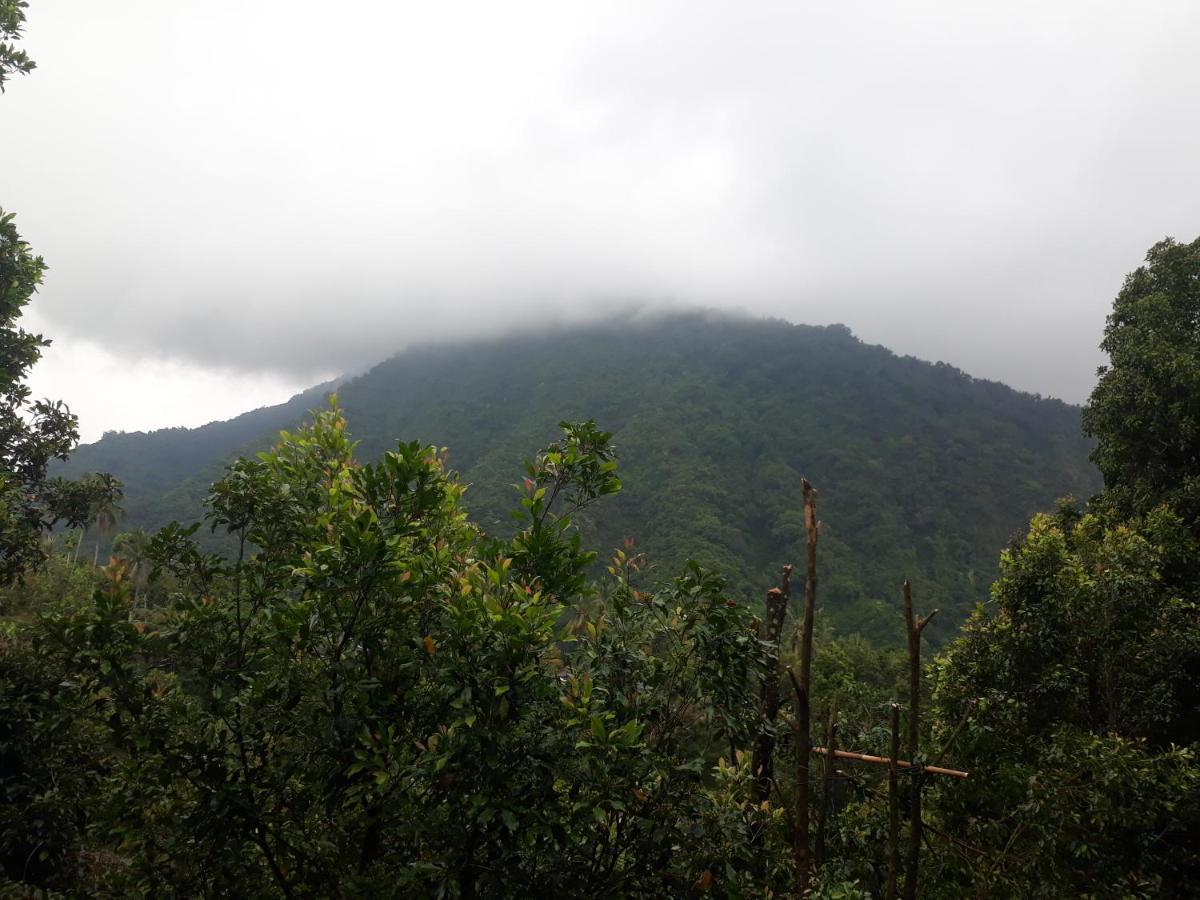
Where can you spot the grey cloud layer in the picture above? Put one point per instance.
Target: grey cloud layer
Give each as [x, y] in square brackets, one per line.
[301, 188]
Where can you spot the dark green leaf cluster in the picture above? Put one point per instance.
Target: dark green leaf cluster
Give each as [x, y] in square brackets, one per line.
[49, 764]
[374, 698]
[1145, 411]
[13, 61]
[1084, 671]
[33, 433]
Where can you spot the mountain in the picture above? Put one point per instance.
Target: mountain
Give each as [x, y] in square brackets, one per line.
[922, 470]
[155, 462]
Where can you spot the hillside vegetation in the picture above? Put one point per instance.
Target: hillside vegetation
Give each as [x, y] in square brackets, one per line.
[928, 472]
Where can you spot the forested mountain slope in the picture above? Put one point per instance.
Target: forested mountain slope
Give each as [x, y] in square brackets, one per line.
[157, 461]
[923, 471]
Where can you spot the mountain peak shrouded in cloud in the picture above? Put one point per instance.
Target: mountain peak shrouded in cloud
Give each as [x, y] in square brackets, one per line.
[716, 418]
[271, 188]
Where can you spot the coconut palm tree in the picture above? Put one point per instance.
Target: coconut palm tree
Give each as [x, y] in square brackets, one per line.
[105, 493]
[133, 547]
[106, 511]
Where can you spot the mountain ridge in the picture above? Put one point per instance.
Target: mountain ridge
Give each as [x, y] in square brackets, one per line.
[924, 471]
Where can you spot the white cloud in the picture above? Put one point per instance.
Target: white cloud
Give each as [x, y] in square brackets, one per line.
[295, 188]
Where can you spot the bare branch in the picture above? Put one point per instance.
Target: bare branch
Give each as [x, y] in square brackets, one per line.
[922, 622]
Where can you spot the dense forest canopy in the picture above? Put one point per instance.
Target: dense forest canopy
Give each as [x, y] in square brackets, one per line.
[927, 471]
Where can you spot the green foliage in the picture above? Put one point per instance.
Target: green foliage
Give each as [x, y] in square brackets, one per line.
[32, 433]
[1145, 411]
[1086, 675]
[373, 693]
[1081, 814]
[50, 740]
[576, 471]
[106, 494]
[1085, 669]
[48, 767]
[58, 582]
[13, 61]
[1088, 628]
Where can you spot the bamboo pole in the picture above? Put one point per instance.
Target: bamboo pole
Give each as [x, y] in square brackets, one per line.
[885, 760]
[893, 805]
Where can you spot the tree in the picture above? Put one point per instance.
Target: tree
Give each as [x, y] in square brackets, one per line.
[50, 760]
[373, 693]
[1145, 410]
[104, 493]
[1086, 666]
[1082, 678]
[31, 433]
[12, 60]
[50, 767]
[133, 548]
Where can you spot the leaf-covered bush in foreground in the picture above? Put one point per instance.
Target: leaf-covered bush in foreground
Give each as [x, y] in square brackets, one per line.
[380, 695]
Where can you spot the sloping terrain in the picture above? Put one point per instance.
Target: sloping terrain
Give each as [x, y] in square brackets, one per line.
[923, 471]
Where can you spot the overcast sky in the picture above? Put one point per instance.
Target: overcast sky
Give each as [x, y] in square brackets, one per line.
[238, 199]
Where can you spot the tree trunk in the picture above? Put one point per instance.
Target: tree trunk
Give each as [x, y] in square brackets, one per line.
[762, 760]
[914, 627]
[801, 852]
[762, 763]
[82, 535]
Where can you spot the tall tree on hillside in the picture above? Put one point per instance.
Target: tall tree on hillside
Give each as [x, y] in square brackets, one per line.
[32, 433]
[1145, 411]
[133, 548]
[1086, 668]
[105, 492]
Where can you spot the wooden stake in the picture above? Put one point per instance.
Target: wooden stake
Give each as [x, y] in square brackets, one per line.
[914, 627]
[801, 848]
[893, 806]
[762, 764]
